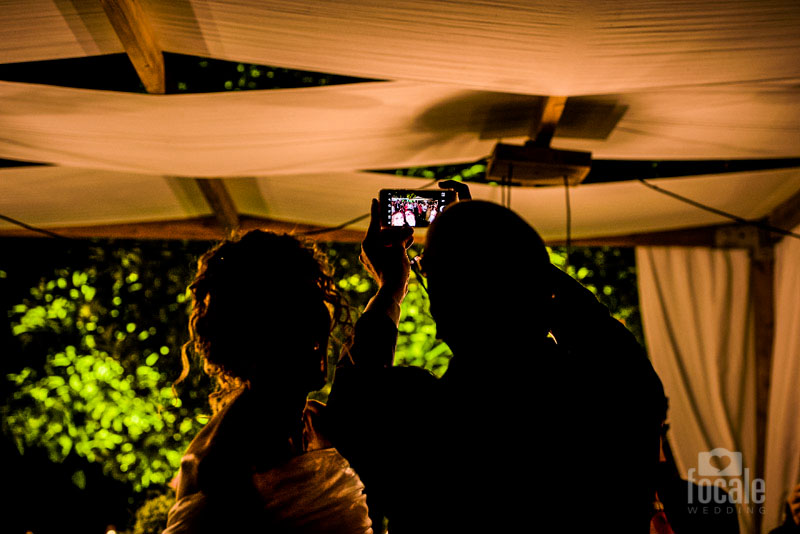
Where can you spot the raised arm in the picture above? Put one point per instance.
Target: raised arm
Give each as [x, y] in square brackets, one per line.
[383, 254]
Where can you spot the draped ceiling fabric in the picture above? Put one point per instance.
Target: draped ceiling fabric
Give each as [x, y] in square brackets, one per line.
[63, 196]
[372, 126]
[783, 429]
[562, 47]
[60, 196]
[346, 127]
[698, 324]
[35, 30]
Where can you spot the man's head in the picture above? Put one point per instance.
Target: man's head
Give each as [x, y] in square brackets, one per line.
[488, 273]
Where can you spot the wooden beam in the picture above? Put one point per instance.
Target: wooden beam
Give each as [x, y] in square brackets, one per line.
[544, 125]
[208, 228]
[220, 202]
[199, 228]
[786, 216]
[134, 31]
[320, 233]
[762, 277]
[705, 236]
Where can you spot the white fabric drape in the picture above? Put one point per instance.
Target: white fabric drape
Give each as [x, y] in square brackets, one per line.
[597, 209]
[740, 121]
[567, 47]
[36, 30]
[698, 325]
[783, 428]
[563, 47]
[62, 196]
[59, 196]
[370, 126]
[345, 127]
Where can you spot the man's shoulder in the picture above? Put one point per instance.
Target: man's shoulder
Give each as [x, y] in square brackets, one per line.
[387, 406]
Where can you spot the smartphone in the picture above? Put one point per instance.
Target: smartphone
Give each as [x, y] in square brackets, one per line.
[413, 207]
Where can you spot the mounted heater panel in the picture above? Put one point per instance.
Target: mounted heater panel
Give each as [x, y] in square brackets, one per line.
[530, 165]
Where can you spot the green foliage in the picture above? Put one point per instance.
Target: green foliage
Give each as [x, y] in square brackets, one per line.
[151, 517]
[417, 344]
[609, 273]
[190, 74]
[470, 171]
[86, 402]
[357, 288]
[351, 278]
[100, 349]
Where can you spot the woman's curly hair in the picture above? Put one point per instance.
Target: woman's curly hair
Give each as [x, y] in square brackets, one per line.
[263, 308]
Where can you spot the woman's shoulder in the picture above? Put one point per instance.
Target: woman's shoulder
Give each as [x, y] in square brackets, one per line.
[225, 427]
[236, 441]
[205, 444]
[317, 488]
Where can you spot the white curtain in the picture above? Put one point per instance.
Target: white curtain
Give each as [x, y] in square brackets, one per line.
[699, 328]
[783, 429]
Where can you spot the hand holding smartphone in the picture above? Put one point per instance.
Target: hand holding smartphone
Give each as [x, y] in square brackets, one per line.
[413, 207]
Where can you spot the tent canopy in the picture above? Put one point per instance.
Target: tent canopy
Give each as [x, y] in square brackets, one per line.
[657, 80]
[565, 47]
[671, 80]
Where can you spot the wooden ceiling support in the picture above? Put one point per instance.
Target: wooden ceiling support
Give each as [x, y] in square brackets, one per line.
[133, 28]
[199, 228]
[786, 216]
[208, 228]
[762, 291]
[704, 236]
[544, 125]
[221, 203]
[134, 31]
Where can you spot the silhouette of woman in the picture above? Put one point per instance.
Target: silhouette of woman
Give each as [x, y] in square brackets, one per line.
[263, 309]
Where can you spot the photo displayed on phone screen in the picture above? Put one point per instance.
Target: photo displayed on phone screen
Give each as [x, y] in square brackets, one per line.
[413, 208]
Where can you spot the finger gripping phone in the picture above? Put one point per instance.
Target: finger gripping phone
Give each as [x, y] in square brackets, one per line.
[413, 207]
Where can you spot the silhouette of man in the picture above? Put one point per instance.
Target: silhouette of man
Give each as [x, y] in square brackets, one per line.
[525, 430]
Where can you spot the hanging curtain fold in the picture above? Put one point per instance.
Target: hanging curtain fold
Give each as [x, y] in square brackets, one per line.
[698, 324]
[783, 426]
